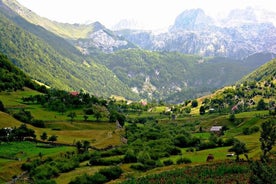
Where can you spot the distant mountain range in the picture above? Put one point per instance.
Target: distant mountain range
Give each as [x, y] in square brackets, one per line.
[133, 63]
[242, 33]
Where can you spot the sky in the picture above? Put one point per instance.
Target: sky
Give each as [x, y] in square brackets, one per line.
[152, 14]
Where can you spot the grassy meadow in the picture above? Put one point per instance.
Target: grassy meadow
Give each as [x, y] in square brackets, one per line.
[102, 134]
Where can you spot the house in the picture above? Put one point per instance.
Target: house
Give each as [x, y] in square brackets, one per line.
[74, 93]
[216, 129]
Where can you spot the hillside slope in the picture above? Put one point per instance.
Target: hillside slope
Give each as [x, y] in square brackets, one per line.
[173, 76]
[263, 73]
[52, 60]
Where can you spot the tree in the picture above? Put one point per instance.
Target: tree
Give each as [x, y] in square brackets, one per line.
[52, 138]
[72, 115]
[85, 117]
[194, 103]
[99, 111]
[82, 146]
[86, 145]
[22, 132]
[2, 108]
[232, 117]
[239, 148]
[267, 138]
[201, 110]
[261, 105]
[79, 146]
[44, 136]
[61, 107]
[262, 173]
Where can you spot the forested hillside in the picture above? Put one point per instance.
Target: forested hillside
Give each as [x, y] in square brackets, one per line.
[174, 77]
[11, 78]
[52, 60]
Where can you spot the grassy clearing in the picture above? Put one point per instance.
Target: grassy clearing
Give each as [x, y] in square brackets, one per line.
[200, 156]
[13, 99]
[204, 135]
[24, 150]
[21, 151]
[65, 178]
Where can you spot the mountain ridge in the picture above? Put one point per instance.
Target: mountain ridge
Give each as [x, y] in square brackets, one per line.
[123, 70]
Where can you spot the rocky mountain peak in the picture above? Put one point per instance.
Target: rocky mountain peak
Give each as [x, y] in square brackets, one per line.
[191, 20]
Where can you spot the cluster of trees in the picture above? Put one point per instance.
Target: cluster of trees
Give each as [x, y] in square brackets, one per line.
[26, 117]
[162, 140]
[100, 177]
[16, 134]
[62, 101]
[43, 170]
[240, 98]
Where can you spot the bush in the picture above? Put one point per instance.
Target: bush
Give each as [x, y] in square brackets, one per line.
[130, 157]
[183, 161]
[168, 162]
[105, 161]
[139, 167]
[23, 116]
[194, 103]
[47, 181]
[111, 173]
[229, 142]
[248, 131]
[38, 123]
[97, 178]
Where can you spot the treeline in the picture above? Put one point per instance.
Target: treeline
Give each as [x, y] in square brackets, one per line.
[63, 101]
[16, 134]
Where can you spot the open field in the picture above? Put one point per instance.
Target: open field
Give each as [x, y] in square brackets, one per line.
[13, 154]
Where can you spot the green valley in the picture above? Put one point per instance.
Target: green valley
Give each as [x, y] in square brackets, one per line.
[80, 104]
[134, 141]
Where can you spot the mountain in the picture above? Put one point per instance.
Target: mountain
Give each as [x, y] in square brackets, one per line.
[86, 37]
[193, 19]
[102, 39]
[106, 63]
[52, 60]
[241, 34]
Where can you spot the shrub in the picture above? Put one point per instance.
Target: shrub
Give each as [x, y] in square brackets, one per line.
[97, 178]
[139, 167]
[38, 123]
[229, 142]
[130, 157]
[183, 161]
[194, 103]
[111, 173]
[168, 162]
[106, 161]
[47, 181]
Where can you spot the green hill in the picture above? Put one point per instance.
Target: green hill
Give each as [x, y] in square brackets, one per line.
[265, 72]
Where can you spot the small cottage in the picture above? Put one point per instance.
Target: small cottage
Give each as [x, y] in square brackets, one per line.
[216, 129]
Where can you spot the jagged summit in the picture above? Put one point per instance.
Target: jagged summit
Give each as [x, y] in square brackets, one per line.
[192, 19]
